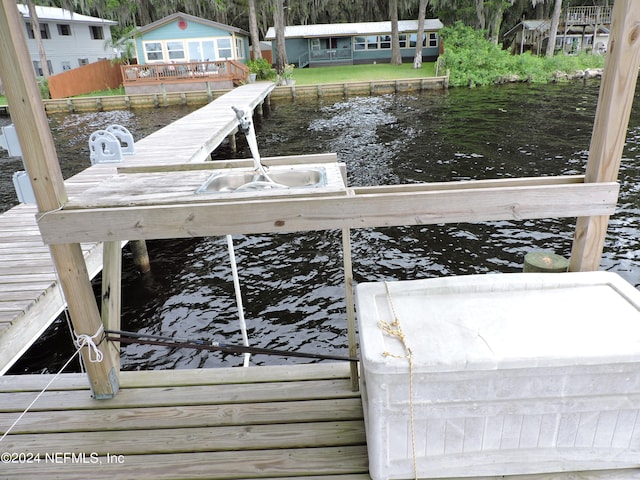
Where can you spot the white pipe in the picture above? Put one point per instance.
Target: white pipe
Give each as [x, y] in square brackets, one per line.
[236, 287]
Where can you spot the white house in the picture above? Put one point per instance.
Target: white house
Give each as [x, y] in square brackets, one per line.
[70, 39]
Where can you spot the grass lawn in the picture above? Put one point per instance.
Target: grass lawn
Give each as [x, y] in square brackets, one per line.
[361, 73]
[314, 76]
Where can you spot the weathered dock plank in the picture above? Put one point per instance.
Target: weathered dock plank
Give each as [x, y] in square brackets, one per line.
[229, 433]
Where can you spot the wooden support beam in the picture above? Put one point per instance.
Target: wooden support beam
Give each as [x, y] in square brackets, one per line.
[610, 127]
[235, 163]
[111, 294]
[41, 162]
[351, 307]
[359, 208]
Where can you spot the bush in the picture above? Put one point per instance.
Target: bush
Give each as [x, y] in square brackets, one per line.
[262, 69]
[43, 86]
[474, 60]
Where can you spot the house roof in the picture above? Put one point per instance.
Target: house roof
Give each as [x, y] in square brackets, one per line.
[58, 14]
[351, 29]
[529, 25]
[191, 18]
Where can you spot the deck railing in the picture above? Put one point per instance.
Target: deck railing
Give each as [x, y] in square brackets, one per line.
[331, 55]
[589, 15]
[155, 73]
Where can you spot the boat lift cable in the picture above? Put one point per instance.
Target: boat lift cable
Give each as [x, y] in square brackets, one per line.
[148, 339]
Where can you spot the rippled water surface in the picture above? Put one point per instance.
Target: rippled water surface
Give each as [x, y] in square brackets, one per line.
[293, 283]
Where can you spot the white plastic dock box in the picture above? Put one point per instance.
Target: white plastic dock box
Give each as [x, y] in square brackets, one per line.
[511, 374]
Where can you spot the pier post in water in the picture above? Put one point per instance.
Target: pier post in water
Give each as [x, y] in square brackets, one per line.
[544, 262]
[233, 144]
[140, 255]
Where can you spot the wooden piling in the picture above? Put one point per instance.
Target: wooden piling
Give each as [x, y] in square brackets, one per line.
[43, 168]
[233, 144]
[544, 262]
[140, 255]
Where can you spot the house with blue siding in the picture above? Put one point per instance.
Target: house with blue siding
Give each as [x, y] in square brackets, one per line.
[70, 39]
[356, 43]
[182, 38]
[182, 52]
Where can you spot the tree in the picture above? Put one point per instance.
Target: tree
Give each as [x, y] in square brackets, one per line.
[37, 36]
[553, 32]
[253, 31]
[396, 56]
[279, 24]
[422, 12]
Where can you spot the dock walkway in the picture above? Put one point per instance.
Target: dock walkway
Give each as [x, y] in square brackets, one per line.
[278, 422]
[30, 298]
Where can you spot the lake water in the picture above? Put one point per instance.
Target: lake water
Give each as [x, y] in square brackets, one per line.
[292, 283]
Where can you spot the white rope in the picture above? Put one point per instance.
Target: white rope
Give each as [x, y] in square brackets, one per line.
[81, 341]
[95, 355]
[394, 329]
[40, 394]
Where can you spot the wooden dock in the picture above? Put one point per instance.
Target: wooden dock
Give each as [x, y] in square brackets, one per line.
[30, 298]
[241, 423]
[300, 422]
[290, 422]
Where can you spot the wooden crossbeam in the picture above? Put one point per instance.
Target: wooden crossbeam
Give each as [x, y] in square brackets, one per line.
[507, 199]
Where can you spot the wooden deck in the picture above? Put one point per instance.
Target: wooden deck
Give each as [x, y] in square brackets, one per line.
[293, 422]
[242, 423]
[30, 298]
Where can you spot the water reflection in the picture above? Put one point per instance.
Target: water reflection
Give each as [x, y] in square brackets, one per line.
[292, 284]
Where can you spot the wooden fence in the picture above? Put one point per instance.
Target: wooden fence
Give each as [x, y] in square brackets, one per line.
[100, 75]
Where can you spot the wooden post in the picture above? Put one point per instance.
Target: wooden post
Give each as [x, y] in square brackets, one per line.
[544, 262]
[610, 127]
[140, 255]
[232, 142]
[41, 162]
[351, 312]
[111, 294]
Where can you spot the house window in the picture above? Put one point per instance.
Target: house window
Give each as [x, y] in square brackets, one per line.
[433, 39]
[83, 61]
[153, 51]
[96, 32]
[403, 40]
[224, 48]
[412, 40]
[37, 66]
[201, 50]
[44, 30]
[64, 29]
[66, 66]
[372, 42]
[240, 48]
[315, 44]
[176, 50]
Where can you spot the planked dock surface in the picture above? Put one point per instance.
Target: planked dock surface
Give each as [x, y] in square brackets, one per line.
[276, 422]
[30, 299]
[237, 423]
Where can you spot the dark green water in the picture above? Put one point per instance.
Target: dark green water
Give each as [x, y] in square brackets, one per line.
[292, 284]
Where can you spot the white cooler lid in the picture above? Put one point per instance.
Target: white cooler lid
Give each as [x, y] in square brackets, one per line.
[517, 320]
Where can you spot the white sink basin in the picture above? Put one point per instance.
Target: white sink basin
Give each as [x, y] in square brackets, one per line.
[244, 181]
